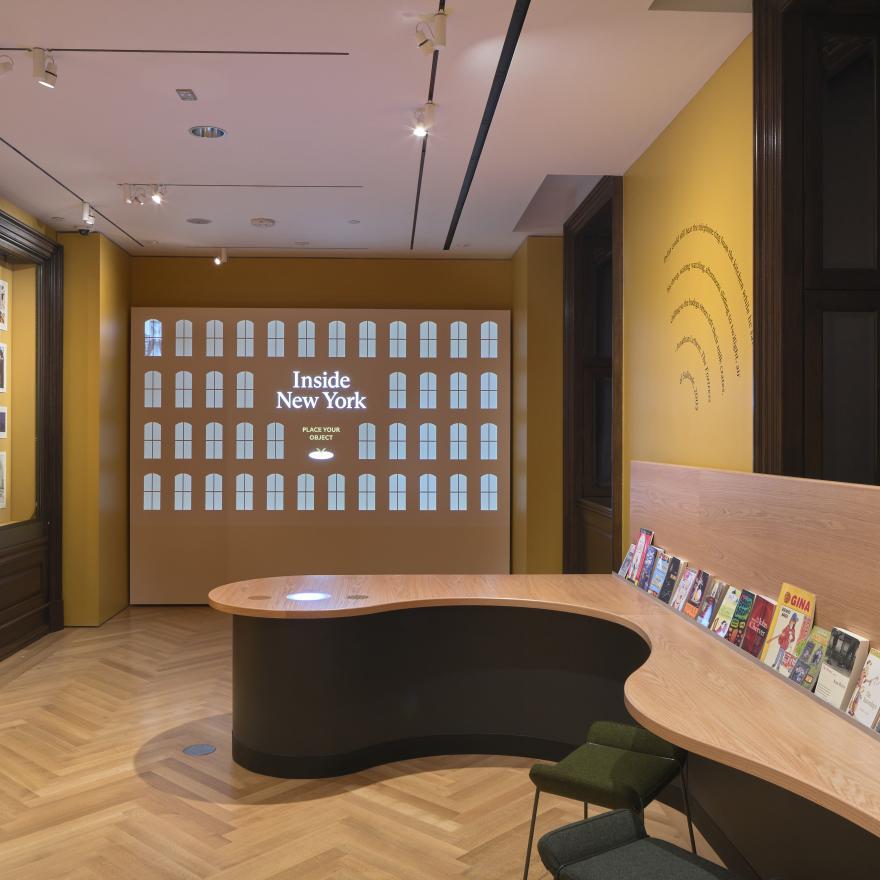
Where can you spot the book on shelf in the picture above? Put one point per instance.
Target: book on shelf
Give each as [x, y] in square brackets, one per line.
[809, 662]
[722, 621]
[844, 659]
[789, 629]
[695, 600]
[740, 617]
[647, 567]
[864, 704]
[658, 576]
[758, 625]
[683, 591]
[676, 569]
[623, 571]
[645, 539]
[712, 599]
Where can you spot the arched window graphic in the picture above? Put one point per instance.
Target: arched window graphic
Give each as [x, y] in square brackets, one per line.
[428, 391]
[152, 440]
[458, 391]
[458, 492]
[213, 492]
[244, 440]
[275, 340]
[489, 339]
[367, 339]
[152, 492]
[427, 442]
[274, 441]
[153, 337]
[488, 442]
[244, 390]
[397, 342]
[366, 492]
[214, 390]
[182, 492]
[336, 492]
[397, 391]
[244, 339]
[458, 339]
[337, 340]
[214, 340]
[428, 339]
[244, 492]
[152, 389]
[183, 389]
[183, 436]
[213, 440]
[275, 492]
[458, 442]
[305, 492]
[183, 338]
[366, 441]
[427, 492]
[397, 441]
[305, 339]
[488, 492]
[397, 492]
[488, 391]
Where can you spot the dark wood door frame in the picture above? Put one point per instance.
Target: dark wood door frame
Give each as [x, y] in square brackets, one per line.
[608, 194]
[32, 549]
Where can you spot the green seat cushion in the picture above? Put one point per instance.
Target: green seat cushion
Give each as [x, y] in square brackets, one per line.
[633, 739]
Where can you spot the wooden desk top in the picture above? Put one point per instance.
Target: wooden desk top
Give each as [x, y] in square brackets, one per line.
[695, 690]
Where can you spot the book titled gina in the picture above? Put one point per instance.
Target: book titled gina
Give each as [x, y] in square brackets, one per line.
[844, 659]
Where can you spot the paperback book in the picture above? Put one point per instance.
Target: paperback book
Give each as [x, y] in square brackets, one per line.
[839, 674]
[758, 625]
[806, 668]
[695, 600]
[645, 539]
[864, 705]
[724, 617]
[623, 571]
[790, 628]
[658, 578]
[677, 566]
[737, 630]
[712, 600]
[647, 567]
[683, 592]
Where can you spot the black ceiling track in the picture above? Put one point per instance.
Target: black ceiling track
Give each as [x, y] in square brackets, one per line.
[514, 30]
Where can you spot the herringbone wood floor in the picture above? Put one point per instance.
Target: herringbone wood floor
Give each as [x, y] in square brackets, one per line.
[93, 783]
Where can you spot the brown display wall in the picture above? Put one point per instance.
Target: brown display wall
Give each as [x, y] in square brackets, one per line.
[222, 483]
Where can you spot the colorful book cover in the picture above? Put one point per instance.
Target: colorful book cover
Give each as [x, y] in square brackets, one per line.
[677, 565]
[658, 578]
[645, 539]
[740, 617]
[647, 567]
[683, 592]
[758, 625]
[864, 705]
[790, 628]
[721, 623]
[712, 600]
[845, 654]
[695, 600]
[627, 562]
[806, 668]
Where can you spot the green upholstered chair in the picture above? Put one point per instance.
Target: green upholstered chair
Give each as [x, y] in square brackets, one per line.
[620, 766]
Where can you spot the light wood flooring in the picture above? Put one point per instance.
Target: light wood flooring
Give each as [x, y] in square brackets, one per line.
[93, 783]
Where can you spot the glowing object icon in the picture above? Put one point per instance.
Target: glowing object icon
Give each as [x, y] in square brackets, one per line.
[321, 454]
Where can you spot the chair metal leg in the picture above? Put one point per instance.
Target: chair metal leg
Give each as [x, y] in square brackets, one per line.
[586, 810]
[531, 834]
[687, 807]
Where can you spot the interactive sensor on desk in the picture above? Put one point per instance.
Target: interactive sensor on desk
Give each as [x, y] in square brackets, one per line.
[307, 597]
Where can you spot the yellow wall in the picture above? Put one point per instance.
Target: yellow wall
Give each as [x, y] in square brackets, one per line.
[688, 213]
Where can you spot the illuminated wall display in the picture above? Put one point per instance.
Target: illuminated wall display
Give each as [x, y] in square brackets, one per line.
[312, 441]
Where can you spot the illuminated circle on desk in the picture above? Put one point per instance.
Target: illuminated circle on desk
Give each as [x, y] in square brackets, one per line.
[307, 597]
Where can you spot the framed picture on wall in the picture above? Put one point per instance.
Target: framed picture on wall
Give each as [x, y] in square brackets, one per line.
[4, 305]
[3, 417]
[2, 480]
[3, 366]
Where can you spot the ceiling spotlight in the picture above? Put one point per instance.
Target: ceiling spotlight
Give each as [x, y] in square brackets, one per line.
[157, 193]
[220, 259]
[128, 193]
[6, 64]
[207, 131]
[431, 32]
[45, 69]
[262, 222]
[87, 216]
[424, 120]
[186, 95]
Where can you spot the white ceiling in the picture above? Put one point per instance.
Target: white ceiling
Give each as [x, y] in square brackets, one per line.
[592, 84]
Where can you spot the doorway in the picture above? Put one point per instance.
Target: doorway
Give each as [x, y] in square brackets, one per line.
[592, 443]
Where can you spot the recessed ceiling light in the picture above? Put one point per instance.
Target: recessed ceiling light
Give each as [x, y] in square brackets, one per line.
[186, 95]
[199, 221]
[207, 131]
[354, 222]
[262, 222]
[57, 219]
[302, 243]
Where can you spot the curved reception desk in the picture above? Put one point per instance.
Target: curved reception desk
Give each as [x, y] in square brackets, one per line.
[333, 674]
